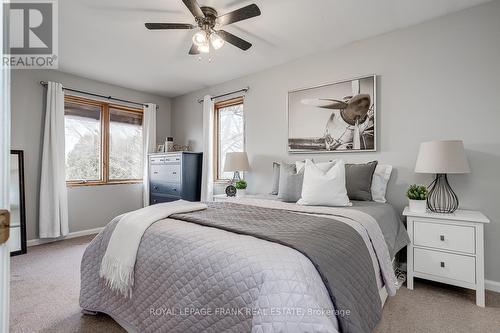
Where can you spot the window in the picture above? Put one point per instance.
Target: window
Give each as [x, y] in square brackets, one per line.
[103, 142]
[230, 133]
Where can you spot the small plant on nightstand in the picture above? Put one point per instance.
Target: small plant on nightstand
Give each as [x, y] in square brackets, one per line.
[241, 187]
[417, 195]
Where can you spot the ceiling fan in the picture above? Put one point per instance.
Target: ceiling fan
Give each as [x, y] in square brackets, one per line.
[207, 19]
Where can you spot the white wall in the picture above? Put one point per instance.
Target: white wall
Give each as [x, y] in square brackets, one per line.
[89, 206]
[437, 80]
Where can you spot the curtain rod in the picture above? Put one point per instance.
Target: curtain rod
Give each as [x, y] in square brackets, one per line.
[226, 94]
[44, 83]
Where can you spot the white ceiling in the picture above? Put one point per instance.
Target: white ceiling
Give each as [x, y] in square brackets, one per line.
[106, 40]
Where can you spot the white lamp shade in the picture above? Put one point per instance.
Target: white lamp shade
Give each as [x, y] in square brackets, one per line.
[442, 157]
[237, 161]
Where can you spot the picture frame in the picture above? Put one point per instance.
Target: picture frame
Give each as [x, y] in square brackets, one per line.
[333, 117]
[160, 148]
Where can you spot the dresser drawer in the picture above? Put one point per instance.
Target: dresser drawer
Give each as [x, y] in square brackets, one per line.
[173, 159]
[166, 173]
[446, 265]
[166, 188]
[444, 236]
[156, 198]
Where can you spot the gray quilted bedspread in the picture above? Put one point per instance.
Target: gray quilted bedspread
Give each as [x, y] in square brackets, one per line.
[337, 251]
[194, 278]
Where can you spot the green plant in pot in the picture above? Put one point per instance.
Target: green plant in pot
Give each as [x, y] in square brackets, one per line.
[417, 195]
[241, 187]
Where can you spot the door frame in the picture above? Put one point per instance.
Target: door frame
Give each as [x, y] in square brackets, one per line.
[4, 183]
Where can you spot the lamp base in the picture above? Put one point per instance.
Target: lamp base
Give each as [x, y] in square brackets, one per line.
[441, 198]
[236, 177]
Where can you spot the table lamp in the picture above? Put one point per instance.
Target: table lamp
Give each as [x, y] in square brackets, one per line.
[236, 162]
[442, 158]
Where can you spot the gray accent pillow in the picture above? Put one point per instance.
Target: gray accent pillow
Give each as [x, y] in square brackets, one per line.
[276, 178]
[358, 180]
[290, 184]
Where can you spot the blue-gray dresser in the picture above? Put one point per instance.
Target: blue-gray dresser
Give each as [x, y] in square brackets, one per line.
[174, 176]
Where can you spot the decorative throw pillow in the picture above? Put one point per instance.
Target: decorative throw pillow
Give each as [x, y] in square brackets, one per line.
[290, 184]
[380, 179]
[324, 188]
[359, 180]
[325, 166]
[276, 178]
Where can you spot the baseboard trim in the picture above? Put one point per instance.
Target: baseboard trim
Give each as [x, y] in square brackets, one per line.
[492, 285]
[40, 241]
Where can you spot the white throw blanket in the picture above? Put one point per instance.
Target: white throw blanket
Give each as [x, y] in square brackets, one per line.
[117, 266]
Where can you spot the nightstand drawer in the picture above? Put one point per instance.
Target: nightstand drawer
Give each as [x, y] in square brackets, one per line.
[444, 236]
[446, 265]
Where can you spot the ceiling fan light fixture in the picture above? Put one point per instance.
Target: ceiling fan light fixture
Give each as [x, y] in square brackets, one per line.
[216, 41]
[204, 48]
[200, 38]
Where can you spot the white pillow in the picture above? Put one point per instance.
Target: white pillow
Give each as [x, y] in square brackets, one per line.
[324, 188]
[379, 182]
[324, 166]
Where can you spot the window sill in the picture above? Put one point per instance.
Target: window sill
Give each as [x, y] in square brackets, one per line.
[222, 181]
[117, 182]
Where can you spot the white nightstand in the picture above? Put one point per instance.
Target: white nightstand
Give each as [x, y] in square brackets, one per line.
[447, 248]
[221, 197]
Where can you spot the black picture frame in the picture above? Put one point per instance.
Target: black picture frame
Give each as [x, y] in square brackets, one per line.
[22, 203]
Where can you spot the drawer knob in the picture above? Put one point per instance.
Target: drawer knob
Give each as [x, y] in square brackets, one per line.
[174, 173]
[442, 264]
[441, 237]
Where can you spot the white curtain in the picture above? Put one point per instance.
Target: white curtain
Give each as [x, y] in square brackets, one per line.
[53, 220]
[207, 181]
[148, 145]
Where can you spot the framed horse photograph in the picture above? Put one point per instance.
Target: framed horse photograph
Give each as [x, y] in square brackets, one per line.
[335, 117]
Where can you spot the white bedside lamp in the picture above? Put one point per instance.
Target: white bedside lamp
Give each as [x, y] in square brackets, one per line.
[236, 162]
[442, 158]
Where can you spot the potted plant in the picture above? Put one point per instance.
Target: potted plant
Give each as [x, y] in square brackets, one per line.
[417, 195]
[241, 186]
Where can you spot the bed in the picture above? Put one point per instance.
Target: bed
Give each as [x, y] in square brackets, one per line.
[194, 273]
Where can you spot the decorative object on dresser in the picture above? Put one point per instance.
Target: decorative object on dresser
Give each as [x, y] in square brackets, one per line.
[447, 248]
[442, 158]
[169, 144]
[174, 176]
[160, 148]
[417, 195]
[17, 239]
[350, 109]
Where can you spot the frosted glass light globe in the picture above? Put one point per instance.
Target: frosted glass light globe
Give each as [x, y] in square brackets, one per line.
[216, 41]
[200, 38]
[204, 48]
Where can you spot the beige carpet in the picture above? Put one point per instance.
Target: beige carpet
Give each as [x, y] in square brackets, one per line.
[45, 286]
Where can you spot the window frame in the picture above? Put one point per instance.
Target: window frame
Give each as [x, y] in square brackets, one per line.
[217, 106]
[104, 158]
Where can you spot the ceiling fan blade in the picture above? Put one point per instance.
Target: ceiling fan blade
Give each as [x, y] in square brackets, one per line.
[194, 8]
[232, 39]
[194, 50]
[239, 14]
[159, 26]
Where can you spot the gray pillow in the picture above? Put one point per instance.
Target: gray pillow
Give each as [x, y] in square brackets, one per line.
[358, 180]
[290, 184]
[276, 178]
